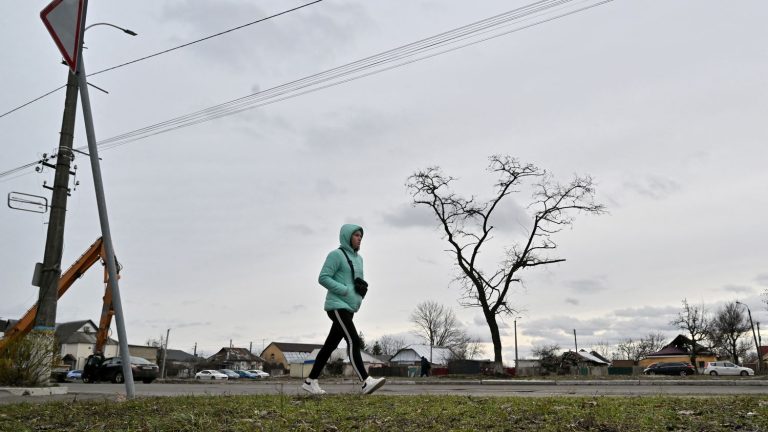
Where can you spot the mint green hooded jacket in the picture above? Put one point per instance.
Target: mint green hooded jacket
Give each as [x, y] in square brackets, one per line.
[336, 276]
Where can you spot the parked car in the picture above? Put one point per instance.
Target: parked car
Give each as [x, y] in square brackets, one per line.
[671, 368]
[111, 369]
[259, 373]
[74, 375]
[726, 368]
[230, 373]
[210, 374]
[246, 374]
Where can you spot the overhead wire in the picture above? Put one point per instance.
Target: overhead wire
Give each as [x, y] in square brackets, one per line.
[166, 51]
[355, 70]
[294, 88]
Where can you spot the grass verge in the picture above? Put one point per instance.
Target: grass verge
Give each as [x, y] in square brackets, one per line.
[393, 413]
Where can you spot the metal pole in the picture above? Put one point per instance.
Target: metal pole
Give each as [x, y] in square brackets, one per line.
[106, 235]
[45, 318]
[516, 362]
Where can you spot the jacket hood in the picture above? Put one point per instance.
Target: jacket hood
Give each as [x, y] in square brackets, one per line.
[345, 235]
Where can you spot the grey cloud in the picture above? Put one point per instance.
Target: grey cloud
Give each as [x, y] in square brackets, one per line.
[409, 216]
[293, 309]
[587, 286]
[325, 188]
[300, 229]
[572, 301]
[762, 279]
[739, 289]
[655, 187]
[511, 217]
[646, 311]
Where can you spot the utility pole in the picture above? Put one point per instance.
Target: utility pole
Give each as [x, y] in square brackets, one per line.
[754, 335]
[759, 344]
[250, 348]
[165, 353]
[45, 318]
[574, 341]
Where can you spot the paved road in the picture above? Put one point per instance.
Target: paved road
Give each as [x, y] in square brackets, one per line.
[533, 388]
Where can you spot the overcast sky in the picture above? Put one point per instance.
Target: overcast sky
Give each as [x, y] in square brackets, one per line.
[222, 227]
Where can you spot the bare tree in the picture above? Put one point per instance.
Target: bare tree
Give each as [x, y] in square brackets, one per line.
[728, 325]
[466, 225]
[437, 326]
[694, 321]
[548, 355]
[629, 349]
[390, 345]
[603, 348]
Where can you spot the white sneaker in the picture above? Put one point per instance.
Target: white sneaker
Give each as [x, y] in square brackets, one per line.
[312, 386]
[372, 384]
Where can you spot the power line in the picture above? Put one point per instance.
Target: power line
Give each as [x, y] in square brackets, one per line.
[353, 71]
[166, 51]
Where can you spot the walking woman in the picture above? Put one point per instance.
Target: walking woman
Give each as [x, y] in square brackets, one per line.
[342, 275]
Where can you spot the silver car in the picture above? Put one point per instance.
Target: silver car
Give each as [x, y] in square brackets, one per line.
[726, 368]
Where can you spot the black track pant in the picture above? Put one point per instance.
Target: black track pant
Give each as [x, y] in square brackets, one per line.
[342, 328]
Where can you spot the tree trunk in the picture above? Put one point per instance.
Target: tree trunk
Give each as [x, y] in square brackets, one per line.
[498, 364]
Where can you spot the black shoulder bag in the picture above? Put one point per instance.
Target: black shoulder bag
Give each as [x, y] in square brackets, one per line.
[361, 286]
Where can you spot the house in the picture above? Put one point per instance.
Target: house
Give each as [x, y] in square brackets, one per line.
[302, 370]
[77, 340]
[679, 351]
[150, 353]
[179, 364]
[585, 363]
[3, 325]
[412, 355]
[235, 359]
[281, 355]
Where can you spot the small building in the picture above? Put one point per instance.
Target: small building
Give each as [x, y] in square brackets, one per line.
[150, 353]
[411, 356]
[584, 363]
[77, 341]
[369, 361]
[679, 351]
[281, 355]
[235, 359]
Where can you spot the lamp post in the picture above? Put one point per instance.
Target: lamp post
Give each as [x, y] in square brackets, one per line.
[754, 335]
[98, 184]
[516, 360]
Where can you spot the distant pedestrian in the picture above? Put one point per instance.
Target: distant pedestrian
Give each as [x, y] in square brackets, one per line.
[342, 276]
[425, 366]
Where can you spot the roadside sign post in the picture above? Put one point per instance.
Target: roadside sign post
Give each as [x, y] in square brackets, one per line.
[65, 21]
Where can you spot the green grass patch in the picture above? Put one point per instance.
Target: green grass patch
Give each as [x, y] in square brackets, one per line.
[393, 413]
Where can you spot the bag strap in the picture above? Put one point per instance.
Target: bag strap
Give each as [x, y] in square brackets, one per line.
[349, 261]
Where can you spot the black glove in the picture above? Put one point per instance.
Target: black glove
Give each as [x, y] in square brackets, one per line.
[361, 287]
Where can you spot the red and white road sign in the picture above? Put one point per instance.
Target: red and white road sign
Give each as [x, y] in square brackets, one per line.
[63, 19]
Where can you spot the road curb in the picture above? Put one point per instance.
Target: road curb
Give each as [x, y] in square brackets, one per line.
[35, 391]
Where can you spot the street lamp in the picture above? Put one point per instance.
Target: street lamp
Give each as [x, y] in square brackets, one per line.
[130, 32]
[516, 361]
[98, 185]
[754, 335]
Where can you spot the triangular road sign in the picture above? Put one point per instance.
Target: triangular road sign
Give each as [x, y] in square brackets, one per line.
[63, 19]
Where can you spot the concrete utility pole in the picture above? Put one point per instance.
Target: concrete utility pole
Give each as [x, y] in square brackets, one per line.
[165, 353]
[516, 361]
[754, 335]
[575, 344]
[45, 319]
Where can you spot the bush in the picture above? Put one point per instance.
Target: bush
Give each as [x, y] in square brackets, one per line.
[26, 362]
[335, 368]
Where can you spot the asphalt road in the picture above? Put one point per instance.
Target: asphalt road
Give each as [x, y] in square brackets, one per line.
[533, 388]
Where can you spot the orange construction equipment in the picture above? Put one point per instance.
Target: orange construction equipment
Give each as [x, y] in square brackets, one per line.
[94, 253]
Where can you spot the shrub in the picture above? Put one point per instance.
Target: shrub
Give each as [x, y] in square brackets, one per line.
[27, 360]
